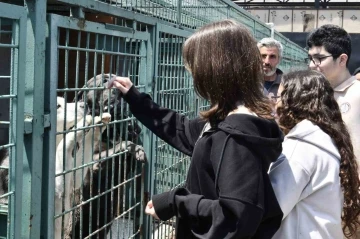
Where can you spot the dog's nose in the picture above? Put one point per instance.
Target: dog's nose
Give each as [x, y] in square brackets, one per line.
[137, 129]
[134, 128]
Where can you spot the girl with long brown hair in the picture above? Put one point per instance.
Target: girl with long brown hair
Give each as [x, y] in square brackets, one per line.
[316, 180]
[228, 193]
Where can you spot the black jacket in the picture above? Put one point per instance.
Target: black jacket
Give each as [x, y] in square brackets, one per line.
[228, 192]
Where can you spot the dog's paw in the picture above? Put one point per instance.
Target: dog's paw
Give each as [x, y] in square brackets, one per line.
[88, 120]
[96, 166]
[97, 120]
[106, 118]
[139, 153]
[59, 186]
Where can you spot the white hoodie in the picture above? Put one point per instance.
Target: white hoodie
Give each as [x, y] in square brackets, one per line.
[307, 185]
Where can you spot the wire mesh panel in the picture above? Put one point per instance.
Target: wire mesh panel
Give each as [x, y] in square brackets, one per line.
[99, 156]
[174, 90]
[248, 21]
[97, 181]
[163, 9]
[261, 31]
[193, 14]
[187, 13]
[293, 56]
[12, 48]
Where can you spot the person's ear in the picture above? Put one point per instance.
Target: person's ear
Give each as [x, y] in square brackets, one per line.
[343, 59]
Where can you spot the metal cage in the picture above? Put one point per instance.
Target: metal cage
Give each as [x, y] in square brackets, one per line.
[81, 171]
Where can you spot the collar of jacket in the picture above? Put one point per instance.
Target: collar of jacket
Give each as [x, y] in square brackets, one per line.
[346, 84]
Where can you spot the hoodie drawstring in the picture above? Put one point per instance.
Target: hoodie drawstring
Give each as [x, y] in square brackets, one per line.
[219, 165]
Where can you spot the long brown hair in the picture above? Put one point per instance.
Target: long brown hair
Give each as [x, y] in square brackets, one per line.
[225, 64]
[308, 95]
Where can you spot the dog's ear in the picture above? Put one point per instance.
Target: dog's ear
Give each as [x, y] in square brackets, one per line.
[80, 96]
[102, 97]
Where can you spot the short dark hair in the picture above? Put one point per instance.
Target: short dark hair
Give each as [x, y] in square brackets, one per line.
[225, 64]
[335, 40]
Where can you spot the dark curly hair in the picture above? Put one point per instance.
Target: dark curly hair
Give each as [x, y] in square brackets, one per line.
[308, 95]
[333, 38]
[225, 64]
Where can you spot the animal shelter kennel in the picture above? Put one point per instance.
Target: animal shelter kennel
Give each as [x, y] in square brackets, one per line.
[61, 54]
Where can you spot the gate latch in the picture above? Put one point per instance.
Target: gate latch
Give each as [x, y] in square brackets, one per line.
[47, 122]
[28, 123]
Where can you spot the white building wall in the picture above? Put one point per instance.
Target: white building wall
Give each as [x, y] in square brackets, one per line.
[298, 20]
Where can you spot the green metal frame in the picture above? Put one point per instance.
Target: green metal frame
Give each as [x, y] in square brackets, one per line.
[16, 129]
[191, 14]
[55, 23]
[158, 28]
[35, 119]
[173, 88]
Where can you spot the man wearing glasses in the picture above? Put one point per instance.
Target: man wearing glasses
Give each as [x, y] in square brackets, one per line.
[329, 53]
[271, 52]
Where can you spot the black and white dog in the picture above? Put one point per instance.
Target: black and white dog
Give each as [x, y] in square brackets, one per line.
[101, 99]
[82, 145]
[77, 142]
[101, 182]
[74, 150]
[73, 112]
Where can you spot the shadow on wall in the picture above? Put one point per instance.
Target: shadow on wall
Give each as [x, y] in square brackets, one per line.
[300, 39]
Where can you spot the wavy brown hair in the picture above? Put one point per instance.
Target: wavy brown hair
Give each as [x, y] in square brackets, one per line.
[308, 95]
[225, 64]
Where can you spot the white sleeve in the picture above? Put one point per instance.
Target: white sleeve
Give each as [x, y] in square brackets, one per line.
[289, 179]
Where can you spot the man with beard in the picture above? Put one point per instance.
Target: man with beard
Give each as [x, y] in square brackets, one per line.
[271, 52]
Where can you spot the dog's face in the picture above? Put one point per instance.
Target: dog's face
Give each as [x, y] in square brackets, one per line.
[108, 100]
[101, 99]
[68, 112]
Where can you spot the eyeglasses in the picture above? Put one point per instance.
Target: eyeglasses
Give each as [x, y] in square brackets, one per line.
[317, 60]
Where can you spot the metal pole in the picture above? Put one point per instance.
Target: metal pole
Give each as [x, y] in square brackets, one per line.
[272, 27]
[317, 4]
[34, 118]
[178, 20]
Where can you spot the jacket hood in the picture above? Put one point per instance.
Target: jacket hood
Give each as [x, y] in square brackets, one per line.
[263, 134]
[308, 132]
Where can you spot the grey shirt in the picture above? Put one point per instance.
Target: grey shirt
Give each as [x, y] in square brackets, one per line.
[273, 89]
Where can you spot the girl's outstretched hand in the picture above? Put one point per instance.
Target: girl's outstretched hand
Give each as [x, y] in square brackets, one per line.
[150, 210]
[121, 83]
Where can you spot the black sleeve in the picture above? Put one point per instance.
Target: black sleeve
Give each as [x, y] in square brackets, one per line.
[237, 212]
[172, 127]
